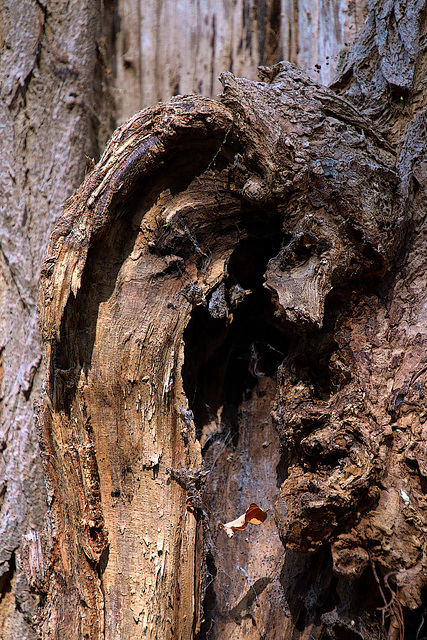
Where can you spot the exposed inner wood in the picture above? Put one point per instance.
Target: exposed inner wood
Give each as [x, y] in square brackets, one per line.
[210, 308]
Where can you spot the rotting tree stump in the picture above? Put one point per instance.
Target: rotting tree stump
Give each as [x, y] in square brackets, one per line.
[219, 319]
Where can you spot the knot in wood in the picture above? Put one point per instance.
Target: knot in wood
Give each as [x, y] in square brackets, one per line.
[255, 190]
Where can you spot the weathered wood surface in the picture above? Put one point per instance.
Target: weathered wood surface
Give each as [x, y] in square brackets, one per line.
[64, 67]
[213, 242]
[169, 48]
[51, 116]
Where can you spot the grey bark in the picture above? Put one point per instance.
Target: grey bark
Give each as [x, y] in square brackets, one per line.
[51, 115]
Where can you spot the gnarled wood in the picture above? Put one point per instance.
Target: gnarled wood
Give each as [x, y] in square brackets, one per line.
[172, 284]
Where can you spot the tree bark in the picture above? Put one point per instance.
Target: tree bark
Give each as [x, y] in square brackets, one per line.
[228, 269]
[63, 69]
[183, 437]
[51, 114]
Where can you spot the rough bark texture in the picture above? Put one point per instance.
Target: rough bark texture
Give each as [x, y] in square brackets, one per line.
[58, 75]
[233, 311]
[51, 114]
[384, 73]
[169, 48]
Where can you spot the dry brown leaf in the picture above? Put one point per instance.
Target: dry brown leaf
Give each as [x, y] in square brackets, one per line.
[254, 515]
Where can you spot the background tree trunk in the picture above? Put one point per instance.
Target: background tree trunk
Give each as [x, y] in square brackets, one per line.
[169, 48]
[60, 72]
[52, 113]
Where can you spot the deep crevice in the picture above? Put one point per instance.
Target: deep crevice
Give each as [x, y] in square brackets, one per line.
[7, 577]
[225, 360]
[209, 601]
[225, 356]
[282, 467]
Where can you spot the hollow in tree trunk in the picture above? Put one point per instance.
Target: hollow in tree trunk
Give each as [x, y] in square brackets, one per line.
[233, 312]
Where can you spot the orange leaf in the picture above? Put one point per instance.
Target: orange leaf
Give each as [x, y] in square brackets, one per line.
[254, 515]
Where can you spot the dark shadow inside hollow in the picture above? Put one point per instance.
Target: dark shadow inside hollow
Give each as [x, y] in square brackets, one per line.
[337, 609]
[415, 622]
[225, 361]
[229, 377]
[282, 467]
[225, 356]
[210, 600]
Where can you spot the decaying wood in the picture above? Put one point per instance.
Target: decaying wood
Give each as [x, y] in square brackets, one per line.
[59, 88]
[214, 243]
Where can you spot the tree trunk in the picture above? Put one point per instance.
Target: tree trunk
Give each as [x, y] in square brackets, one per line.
[51, 114]
[169, 48]
[158, 430]
[233, 312]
